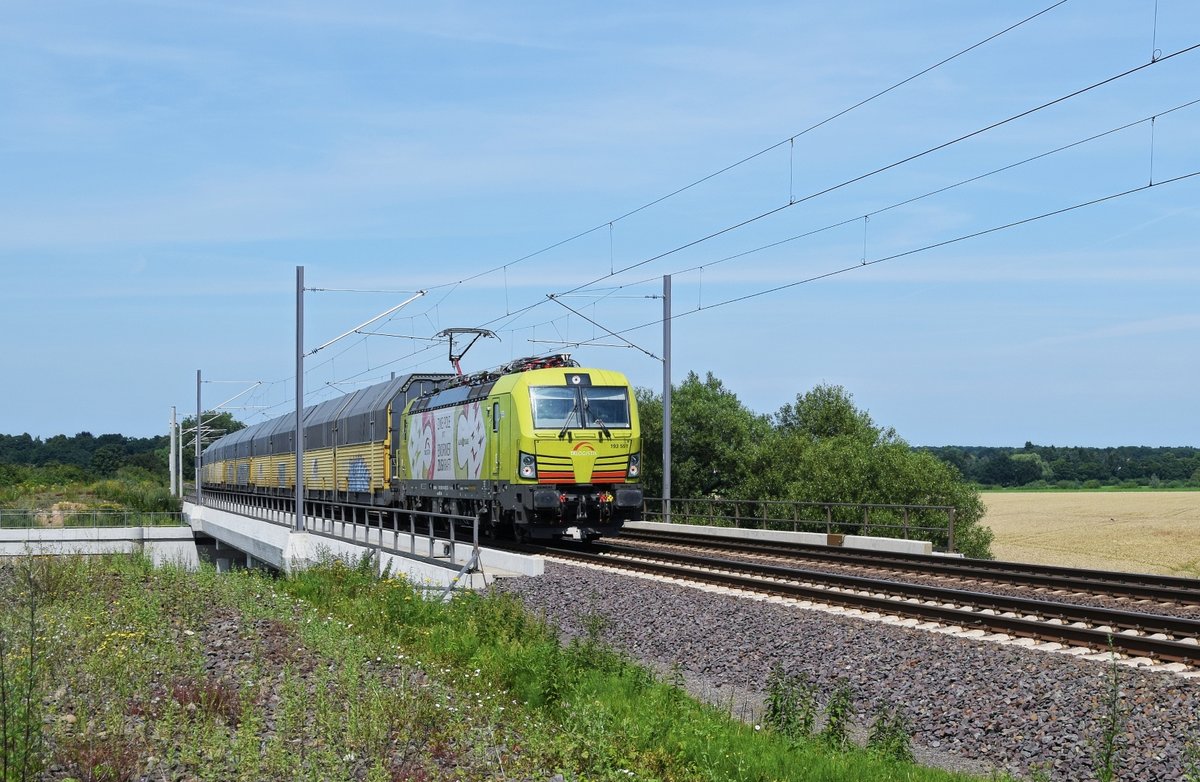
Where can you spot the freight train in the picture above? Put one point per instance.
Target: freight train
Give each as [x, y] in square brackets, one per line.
[541, 448]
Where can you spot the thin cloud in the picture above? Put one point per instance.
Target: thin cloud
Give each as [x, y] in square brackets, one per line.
[1138, 328]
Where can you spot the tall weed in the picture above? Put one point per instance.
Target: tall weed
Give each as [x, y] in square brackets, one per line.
[889, 737]
[1112, 724]
[791, 706]
[21, 663]
[838, 716]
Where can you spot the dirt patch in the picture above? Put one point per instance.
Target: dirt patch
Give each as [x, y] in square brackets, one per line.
[1144, 532]
[58, 513]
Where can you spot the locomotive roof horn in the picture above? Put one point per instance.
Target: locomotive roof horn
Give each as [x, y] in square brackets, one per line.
[457, 337]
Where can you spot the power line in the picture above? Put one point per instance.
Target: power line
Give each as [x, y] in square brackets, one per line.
[793, 202]
[608, 292]
[512, 316]
[924, 248]
[761, 152]
[889, 166]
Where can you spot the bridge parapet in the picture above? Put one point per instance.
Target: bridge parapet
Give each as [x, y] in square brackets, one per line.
[164, 545]
[272, 540]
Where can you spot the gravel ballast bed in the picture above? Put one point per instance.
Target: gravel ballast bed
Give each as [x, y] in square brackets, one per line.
[984, 703]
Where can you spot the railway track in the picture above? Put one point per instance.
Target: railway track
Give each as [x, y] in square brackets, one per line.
[1123, 586]
[1164, 639]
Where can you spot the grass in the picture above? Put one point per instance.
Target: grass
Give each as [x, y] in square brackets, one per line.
[1150, 532]
[337, 674]
[131, 489]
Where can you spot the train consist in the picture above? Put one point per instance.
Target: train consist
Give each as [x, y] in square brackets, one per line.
[541, 448]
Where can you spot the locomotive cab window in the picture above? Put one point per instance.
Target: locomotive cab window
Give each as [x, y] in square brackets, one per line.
[609, 405]
[566, 407]
[553, 406]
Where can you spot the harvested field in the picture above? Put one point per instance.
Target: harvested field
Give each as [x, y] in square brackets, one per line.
[1145, 532]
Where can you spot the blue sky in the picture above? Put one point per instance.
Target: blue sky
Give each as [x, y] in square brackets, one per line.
[167, 165]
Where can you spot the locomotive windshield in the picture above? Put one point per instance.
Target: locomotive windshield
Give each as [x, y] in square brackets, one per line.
[585, 407]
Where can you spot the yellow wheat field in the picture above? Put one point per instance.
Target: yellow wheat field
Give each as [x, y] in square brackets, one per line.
[1146, 532]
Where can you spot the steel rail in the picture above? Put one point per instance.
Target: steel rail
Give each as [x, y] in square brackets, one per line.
[1141, 586]
[920, 602]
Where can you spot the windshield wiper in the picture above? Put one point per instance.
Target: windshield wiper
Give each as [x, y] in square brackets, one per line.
[564, 432]
[587, 408]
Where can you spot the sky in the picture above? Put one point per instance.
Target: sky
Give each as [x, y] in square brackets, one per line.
[1002, 248]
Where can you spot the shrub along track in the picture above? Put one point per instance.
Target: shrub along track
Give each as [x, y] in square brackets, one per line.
[997, 617]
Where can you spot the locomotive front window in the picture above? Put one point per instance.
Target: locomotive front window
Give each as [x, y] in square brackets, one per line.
[553, 406]
[566, 407]
[609, 405]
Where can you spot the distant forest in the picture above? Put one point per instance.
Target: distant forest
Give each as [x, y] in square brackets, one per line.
[86, 456]
[1050, 466]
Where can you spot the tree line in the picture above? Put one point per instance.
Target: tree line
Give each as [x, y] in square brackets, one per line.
[818, 449]
[1050, 466]
[87, 457]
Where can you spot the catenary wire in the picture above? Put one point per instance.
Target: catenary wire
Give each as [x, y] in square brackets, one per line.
[608, 292]
[765, 150]
[924, 248]
[511, 316]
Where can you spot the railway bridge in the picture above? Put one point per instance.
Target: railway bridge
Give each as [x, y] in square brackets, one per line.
[263, 531]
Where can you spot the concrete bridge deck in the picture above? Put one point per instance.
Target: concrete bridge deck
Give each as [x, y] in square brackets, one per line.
[439, 563]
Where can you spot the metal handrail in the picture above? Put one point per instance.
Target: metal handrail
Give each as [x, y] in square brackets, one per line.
[33, 518]
[322, 523]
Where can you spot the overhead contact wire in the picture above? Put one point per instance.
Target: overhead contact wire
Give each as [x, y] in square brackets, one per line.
[765, 150]
[924, 248]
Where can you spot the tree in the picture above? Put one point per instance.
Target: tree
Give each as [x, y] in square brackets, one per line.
[1013, 469]
[829, 411]
[834, 452]
[820, 448]
[713, 436]
[106, 460]
[215, 425]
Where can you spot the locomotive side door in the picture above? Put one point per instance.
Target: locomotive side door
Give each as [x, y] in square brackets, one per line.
[499, 434]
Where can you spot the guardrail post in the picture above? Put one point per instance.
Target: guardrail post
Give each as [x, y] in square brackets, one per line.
[906, 523]
[950, 531]
[828, 519]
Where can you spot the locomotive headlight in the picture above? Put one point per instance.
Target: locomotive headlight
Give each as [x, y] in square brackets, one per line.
[527, 466]
[635, 464]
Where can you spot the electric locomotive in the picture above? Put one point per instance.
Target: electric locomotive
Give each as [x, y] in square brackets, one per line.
[542, 448]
